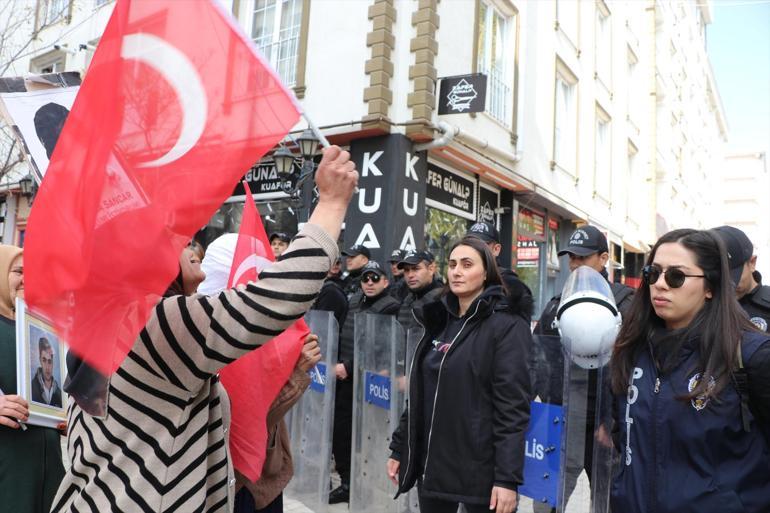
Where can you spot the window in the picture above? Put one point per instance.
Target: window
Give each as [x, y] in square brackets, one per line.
[51, 62]
[276, 31]
[565, 122]
[603, 44]
[495, 59]
[634, 186]
[567, 15]
[51, 11]
[603, 155]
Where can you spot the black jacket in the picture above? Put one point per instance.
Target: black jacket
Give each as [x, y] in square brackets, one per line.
[518, 292]
[398, 288]
[416, 299]
[332, 298]
[382, 304]
[481, 408]
[757, 305]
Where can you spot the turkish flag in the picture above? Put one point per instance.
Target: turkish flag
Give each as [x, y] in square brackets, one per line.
[254, 381]
[175, 106]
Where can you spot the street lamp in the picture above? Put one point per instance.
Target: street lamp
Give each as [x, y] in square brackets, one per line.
[28, 186]
[285, 159]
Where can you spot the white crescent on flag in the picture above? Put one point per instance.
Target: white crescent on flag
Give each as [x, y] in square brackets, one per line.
[250, 263]
[182, 76]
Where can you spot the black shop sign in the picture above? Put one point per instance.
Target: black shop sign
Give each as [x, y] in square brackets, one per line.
[453, 192]
[262, 179]
[462, 94]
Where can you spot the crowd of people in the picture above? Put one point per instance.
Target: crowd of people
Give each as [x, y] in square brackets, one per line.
[689, 377]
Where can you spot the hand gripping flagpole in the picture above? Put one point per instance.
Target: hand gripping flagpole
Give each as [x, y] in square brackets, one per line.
[321, 138]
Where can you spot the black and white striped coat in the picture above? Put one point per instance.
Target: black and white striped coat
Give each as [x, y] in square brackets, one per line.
[164, 444]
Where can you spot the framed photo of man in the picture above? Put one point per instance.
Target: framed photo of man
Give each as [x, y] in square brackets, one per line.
[40, 368]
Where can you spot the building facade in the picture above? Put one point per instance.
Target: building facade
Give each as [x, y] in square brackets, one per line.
[596, 112]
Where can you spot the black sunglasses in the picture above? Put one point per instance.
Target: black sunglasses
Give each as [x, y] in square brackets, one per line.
[673, 276]
[374, 278]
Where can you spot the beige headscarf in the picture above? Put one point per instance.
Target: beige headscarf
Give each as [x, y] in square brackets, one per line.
[7, 254]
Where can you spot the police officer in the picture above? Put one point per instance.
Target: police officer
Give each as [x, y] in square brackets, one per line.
[355, 259]
[397, 287]
[587, 246]
[371, 297]
[751, 294]
[332, 297]
[279, 241]
[518, 291]
[419, 268]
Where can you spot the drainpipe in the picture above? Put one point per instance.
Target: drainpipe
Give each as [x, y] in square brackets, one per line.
[449, 132]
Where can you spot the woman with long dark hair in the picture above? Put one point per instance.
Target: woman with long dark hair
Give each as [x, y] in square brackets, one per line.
[691, 428]
[461, 439]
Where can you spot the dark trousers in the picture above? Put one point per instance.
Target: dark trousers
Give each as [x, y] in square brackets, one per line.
[244, 503]
[430, 505]
[342, 436]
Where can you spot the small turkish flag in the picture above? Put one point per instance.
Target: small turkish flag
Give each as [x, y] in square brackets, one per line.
[176, 105]
[254, 381]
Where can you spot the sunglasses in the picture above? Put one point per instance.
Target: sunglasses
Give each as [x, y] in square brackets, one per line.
[374, 278]
[673, 276]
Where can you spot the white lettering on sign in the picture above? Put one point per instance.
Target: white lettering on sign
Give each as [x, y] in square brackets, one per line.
[407, 242]
[410, 163]
[410, 210]
[434, 179]
[261, 173]
[379, 392]
[375, 206]
[534, 450]
[631, 397]
[367, 237]
[369, 164]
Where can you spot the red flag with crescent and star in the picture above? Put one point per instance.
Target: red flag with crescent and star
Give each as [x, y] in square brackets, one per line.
[254, 381]
[177, 104]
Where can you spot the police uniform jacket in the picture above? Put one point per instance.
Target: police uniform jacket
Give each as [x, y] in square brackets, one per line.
[416, 299]
[690, 455]
[481, 403]
[757, 305]
[382, 304]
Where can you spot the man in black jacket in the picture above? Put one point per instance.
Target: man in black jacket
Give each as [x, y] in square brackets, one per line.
[397, 287]
[371, 298]
[419, 268]
[518, 291]
[587, 246]
[356, 257]
[332, 297]
[751, 294]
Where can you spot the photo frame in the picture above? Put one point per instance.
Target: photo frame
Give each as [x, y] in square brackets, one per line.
[40, 368]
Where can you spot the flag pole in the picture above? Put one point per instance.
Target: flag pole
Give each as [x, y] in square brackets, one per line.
[321, 138]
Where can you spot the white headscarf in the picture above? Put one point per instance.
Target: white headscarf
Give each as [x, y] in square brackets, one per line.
[216, 264]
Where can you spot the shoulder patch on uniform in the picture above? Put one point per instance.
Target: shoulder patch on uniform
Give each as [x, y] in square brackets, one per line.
[759, 322]
[700, 401]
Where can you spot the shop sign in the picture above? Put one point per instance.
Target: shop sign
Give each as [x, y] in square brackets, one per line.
[528, 253]
[452, 192]
[389, 210]
[488, 201]
[463, 94]
[531, 222]
[262, 179]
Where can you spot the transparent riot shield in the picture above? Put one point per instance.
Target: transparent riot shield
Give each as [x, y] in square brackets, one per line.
[569, 453]
[312, 418]
[379, 387]
[409, 503]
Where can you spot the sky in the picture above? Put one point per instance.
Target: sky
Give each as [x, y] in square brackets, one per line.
[738, 43]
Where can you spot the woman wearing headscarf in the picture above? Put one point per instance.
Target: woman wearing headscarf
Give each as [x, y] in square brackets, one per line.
[163, 443]
[461, 438]
[30, 459]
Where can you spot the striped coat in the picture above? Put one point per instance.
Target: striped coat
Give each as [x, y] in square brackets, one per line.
[164, 444]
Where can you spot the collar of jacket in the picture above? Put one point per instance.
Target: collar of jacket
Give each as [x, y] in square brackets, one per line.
[670, 347]
[369, 301]
[419, 293]
[434, 313]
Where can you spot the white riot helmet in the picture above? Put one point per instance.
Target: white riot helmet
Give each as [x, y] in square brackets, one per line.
[588, 319]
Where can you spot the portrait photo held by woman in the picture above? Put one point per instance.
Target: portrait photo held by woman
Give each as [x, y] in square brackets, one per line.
[691, 385]
[461, 439]
[30, 456]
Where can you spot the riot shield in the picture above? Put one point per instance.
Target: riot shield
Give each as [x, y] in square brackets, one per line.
[312, 418]
[569, 454]
[409, 503]
[379, 386]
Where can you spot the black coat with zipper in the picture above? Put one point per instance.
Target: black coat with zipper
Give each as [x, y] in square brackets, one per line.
[481, 409]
